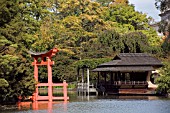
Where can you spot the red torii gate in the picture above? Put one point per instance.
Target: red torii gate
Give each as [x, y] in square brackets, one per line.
[45, 58]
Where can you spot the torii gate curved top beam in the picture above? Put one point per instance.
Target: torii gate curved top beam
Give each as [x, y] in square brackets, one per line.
[49, 53]
[43, 56]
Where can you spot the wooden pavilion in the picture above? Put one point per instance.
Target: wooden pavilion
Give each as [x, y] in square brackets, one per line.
[127, 73]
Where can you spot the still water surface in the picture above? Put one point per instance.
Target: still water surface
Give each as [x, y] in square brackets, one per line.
[107, 104]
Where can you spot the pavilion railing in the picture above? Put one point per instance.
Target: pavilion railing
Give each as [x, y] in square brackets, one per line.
[123, 84]
[130, 83]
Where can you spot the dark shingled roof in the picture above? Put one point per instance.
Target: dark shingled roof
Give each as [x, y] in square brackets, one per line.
[130, 62]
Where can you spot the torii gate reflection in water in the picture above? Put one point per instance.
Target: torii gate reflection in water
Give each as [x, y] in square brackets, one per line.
[45, 58]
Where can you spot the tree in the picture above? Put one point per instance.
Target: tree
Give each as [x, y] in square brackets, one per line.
[77, 7]
[164, 79]
[78, 26]
[132, 42]
[162, 5]
[126, 16]
[164, 26]
[19, 22]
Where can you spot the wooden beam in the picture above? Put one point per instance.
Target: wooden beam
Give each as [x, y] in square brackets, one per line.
[43, 63]
[88, 82]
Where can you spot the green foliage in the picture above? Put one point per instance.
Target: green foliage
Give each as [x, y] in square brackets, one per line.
[63, 69]
[166, 47]
[90, 63]
[19, 23]
[72, 85]
[18, 82]
[77, 7]
[135, 42]
[44, 36]
[126, 16]
[164, 79]
[129, 42]
[3, 83]
[112, 39]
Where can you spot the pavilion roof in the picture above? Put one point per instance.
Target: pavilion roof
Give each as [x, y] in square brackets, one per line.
[130, 62]
[125, 68]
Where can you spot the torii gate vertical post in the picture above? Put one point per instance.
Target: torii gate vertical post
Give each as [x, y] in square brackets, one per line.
[46, 60]
[36, 78]
[49, 79]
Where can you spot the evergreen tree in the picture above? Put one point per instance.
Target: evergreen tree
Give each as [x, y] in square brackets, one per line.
[164, 79]
[19, 22]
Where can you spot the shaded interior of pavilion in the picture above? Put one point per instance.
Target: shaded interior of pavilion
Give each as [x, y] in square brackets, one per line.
[111, 81]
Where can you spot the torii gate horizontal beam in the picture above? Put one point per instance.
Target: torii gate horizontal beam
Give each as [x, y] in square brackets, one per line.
[43, 63]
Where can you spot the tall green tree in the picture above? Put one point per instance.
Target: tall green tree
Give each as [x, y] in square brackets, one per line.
[164, 27]
[164, 79]
[20, 20]
[126, 16]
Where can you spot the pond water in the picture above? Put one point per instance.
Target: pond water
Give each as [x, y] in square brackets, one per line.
[94, 104]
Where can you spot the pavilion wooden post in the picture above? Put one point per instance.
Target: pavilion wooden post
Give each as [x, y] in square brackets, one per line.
[111, 77]
[98, 78]
[78, 74]
[105, 79]
[82, 75]
[83, 80]
[148, 76]
[88, 81]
